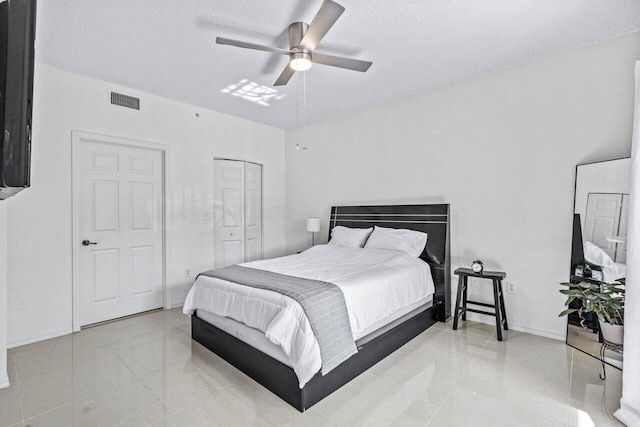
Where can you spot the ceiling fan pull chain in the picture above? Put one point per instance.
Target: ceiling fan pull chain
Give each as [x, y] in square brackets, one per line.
[297, 112]
[303, 76]
[304, 101]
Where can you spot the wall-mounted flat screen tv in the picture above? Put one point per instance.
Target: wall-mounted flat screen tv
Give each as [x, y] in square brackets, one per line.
[17, 36]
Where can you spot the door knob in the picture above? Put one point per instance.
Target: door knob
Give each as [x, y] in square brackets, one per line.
[87, 243]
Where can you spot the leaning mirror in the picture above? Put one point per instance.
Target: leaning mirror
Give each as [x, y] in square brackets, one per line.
[599, 244]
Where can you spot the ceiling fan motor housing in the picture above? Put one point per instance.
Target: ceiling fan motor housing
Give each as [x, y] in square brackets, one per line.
[300, 57]
[297, 30]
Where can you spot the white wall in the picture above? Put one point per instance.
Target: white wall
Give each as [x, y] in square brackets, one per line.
[39, 219]
[500, 149]
[4, 378]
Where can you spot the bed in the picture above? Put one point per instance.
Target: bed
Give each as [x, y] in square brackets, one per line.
[378, 329]
[596, 257]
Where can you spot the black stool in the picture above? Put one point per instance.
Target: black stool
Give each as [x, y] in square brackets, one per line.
[498, 300]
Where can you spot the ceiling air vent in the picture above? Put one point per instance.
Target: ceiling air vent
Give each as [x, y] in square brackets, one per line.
[125, 100]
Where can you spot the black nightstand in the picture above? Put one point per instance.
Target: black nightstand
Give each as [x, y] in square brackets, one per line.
[498, 300]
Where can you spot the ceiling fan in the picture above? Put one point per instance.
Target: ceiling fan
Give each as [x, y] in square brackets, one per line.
[303, 39]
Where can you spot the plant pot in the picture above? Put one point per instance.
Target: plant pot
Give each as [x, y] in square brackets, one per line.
[613, 334]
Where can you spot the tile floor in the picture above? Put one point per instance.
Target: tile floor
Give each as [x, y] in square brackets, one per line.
[147, 371]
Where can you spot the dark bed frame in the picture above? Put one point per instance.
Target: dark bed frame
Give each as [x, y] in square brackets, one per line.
[281, 379]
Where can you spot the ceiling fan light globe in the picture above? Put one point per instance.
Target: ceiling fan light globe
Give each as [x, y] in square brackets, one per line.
[300, 61]
[300, 64]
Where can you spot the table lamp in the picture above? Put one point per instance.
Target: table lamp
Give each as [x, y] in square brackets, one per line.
[313, 226]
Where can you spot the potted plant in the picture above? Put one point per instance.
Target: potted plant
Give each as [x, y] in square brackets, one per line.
[606, 300]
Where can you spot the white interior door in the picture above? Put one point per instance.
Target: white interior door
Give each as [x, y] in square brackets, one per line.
[602, 220]
[253, 212]
[621, 251]
[119, 214]
[229, 205]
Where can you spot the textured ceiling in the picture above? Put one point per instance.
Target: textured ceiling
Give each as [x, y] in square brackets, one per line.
[167, 47]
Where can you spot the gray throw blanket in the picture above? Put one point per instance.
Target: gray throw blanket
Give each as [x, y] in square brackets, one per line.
[323, 303]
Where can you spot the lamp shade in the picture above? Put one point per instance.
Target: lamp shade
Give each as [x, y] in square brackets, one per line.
[313, 225]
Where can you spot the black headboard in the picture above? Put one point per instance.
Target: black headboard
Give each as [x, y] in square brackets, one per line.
[577, 248]
[430, 219]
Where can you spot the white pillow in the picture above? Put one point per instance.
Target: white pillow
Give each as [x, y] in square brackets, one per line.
[595, 255]
[408, 241]
[349, 237]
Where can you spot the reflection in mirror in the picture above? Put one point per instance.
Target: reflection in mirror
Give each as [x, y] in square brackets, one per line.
[599, 243]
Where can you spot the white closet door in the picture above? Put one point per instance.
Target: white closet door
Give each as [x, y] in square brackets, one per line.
[229, 212]
[253, 212]
[120, 223]
[602, 220]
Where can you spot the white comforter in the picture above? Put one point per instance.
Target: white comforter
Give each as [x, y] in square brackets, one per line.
[614, 272]
[376, 283]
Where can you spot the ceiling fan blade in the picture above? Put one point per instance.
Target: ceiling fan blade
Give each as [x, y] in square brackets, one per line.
[285, 76]
[328, 14]
[238, 43]
[338, 61]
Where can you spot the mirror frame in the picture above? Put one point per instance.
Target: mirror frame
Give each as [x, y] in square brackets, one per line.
[571, 267]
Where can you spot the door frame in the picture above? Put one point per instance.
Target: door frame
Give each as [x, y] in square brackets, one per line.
[77, 138]
[261, 200]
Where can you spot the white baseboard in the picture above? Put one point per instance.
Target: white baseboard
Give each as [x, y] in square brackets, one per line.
[512, 327]
[628, 415]
[177, 304]
[538, 332]
[31, 340]
[4, 381]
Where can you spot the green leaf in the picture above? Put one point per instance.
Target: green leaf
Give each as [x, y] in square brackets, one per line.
[569, 311]
[570, 300]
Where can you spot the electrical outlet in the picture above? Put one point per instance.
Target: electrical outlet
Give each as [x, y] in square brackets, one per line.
[511, 287]
[187, 272]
